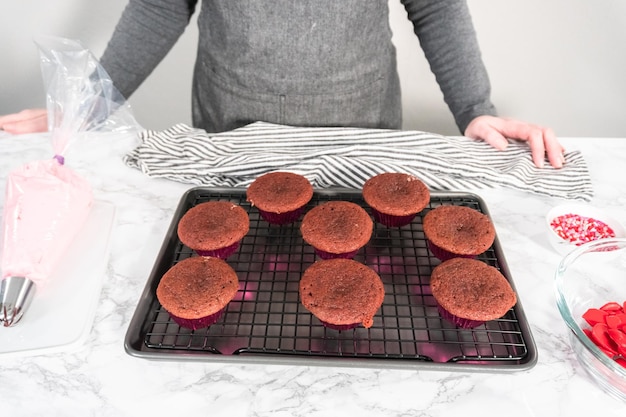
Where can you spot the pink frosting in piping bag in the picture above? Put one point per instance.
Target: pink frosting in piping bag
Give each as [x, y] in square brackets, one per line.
[46, 202]
[46, 205]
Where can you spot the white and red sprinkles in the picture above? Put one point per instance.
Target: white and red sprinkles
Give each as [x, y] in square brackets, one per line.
[579, 229]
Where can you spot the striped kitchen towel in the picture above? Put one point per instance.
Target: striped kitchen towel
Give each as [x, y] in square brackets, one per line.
[347, 157]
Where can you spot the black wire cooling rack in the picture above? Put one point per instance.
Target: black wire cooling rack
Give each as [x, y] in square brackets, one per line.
[266, 323]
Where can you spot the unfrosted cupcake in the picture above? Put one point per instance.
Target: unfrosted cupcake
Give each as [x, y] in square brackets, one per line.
[395, 198]
[458, 231]
[214, 228]
[280, 197]
[196, 291]
[469, 292]
[337, 229]
[342, 293]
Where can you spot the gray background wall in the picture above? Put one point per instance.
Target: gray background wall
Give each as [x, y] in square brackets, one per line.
[559, 63]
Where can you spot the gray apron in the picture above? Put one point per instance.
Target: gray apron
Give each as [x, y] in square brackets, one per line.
[269, 61]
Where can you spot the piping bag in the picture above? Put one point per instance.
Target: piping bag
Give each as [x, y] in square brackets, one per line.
[46, 202]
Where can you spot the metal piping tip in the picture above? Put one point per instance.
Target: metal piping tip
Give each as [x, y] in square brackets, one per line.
[16, 293]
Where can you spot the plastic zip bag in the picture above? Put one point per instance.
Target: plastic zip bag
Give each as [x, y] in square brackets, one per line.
[47, 202]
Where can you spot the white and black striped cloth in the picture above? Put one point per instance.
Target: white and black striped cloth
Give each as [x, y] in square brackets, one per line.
[347, 157]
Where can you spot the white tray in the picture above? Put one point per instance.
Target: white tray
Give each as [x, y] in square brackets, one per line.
[61, 314]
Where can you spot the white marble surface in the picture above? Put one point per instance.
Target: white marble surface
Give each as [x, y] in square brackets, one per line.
[100, 379]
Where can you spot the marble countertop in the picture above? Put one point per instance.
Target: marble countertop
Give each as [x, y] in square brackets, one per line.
[98, 378]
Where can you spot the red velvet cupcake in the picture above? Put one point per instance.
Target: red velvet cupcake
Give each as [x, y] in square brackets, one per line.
[280, 197]
[196, 291]
[469, 292]
[395, 198]
[337, 229]
[342, 293]
[458, 231]
[214, 228]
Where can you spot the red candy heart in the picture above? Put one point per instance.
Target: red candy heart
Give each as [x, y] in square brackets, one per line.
[616, 321]
[612, 307]
[594, 316]
[600, 336]
[608, 329]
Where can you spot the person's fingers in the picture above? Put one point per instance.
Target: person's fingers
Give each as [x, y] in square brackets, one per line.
[495, 139]
[541, 141]
[26, 121]
[537, 148]
[483, 128]
[21, 116]
[30, 126]
[554, 149]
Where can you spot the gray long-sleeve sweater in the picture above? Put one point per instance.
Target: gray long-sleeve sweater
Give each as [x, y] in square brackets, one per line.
[301, 62]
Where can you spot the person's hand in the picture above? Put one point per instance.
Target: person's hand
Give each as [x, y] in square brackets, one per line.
[26, 121]
[496, 131]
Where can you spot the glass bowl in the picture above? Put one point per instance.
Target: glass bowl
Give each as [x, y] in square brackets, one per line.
[563, 246]
[589, 277]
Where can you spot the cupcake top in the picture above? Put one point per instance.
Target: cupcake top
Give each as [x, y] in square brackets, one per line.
[337, 227]
[213, 225]
[471, 289]
[197, 287]
[459, 229]
[396, 194]
[342, 292]
[279, 192]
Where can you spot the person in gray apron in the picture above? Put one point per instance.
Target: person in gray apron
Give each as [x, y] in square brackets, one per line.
[314, 63]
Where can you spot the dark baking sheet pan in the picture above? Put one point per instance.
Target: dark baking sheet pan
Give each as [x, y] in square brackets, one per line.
[266, 323]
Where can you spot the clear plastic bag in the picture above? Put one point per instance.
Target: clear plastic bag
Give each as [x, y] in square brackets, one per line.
[47, 202]
[80, 96]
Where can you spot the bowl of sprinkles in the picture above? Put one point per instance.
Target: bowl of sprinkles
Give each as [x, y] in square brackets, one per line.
[572, 225]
